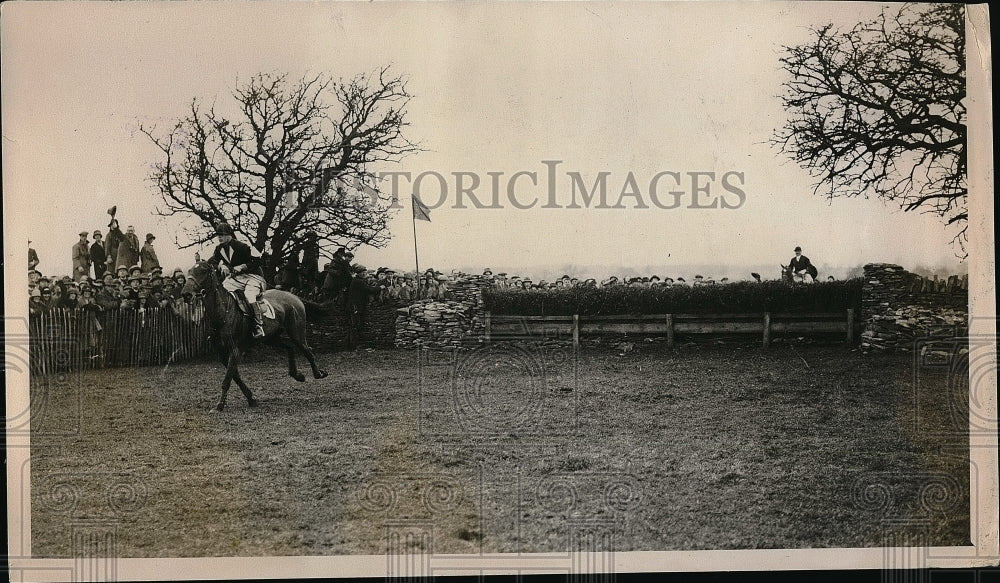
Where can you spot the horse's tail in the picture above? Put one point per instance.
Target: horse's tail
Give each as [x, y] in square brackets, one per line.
[316, 310]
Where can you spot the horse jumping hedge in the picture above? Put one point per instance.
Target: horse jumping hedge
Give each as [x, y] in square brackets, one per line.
[740, 297]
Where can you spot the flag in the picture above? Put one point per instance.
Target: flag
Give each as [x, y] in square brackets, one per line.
[420, 210]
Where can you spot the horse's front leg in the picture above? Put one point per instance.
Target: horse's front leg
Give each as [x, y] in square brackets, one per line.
[232, 370]
[251, 401]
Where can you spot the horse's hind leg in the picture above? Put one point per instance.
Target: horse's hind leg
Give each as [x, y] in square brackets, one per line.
[318, 373]
[293, 367]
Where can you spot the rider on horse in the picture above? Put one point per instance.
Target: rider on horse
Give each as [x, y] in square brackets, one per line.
[801, 269]
[242, 272]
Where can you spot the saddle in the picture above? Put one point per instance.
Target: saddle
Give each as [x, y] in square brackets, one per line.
[241, 301]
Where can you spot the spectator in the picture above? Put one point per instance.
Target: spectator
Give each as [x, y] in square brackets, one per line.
[106, 297]
[81, 257]
[35, 303]
[128, 250]
[170, 289]
[148, 255]
[98, 256]
[122, 273]
[309, 268]
[32, 257]
[33, 277]
[130, 295]
[70, 297]
[115, 238]
[179, 279]
[48, 295]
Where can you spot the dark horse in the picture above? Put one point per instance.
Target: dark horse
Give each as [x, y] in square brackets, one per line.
[233, 331]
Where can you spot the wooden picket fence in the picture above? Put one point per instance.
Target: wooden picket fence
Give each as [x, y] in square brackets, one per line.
[64, 339]
[765, 324]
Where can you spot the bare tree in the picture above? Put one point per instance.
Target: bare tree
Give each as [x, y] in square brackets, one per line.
[877, 110]
[292, 158]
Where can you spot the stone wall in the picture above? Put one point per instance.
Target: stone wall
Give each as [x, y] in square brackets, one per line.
[899, 307]
[454, 321]
[379, 327]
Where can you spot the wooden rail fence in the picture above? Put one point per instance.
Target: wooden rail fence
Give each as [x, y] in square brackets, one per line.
[764, 324]
[64, 339]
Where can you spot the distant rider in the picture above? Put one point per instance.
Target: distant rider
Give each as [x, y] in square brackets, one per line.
[801, 268]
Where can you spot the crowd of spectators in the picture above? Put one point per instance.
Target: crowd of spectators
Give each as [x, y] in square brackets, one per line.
[115, 272]
[126, 288]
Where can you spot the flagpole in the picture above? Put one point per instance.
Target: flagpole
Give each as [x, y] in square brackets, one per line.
[416, 257]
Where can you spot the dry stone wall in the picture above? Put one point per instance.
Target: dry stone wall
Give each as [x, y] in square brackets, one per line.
[899, 307]
[456, 320]
[378, 327]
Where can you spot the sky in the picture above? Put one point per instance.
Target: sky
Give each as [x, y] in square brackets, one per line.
[632, 89]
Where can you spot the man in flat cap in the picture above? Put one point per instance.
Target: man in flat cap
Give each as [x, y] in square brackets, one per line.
[98, 256]
[81, 257]
[128, 250]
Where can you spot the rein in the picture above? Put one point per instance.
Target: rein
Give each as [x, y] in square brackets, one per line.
[221, 308]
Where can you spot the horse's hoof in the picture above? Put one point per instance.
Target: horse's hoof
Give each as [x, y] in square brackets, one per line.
[322, 374]
[299, 377]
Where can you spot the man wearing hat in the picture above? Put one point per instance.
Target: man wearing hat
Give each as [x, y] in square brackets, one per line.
[32, 256]
[148, 255]
[338, 276]
[122, 276]
[113, 242]
[35, 304]
[130, 295]
[81, 257]
[128, 250]
[309, 266]
[105, 297]
[241, 271]
[98, 256]
[801, 268]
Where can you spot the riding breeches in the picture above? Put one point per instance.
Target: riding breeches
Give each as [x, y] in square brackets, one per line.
[802, 277]
[250, 284]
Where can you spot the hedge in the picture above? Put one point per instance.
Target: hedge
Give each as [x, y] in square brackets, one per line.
[740, 297]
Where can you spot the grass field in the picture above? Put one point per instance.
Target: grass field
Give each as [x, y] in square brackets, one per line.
[504, 450]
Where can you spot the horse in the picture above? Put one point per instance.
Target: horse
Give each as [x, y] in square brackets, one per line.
[233, 331]
[786, 275]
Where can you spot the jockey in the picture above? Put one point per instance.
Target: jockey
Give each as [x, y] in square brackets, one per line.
[801, 268]
[241, 271]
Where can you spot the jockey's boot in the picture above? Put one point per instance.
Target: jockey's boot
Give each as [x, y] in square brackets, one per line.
[258, 316]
